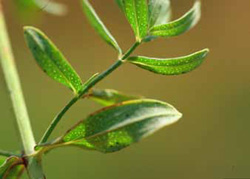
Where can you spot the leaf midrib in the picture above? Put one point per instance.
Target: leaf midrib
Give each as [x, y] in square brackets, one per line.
[136, 19]
[197, 59]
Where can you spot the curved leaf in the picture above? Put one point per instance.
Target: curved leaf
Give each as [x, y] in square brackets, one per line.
[99, 26]
[179, 26]
[51, 60]
[170, 66]
[11, 168]
[159, 12]
[116, 127]
[49, 6]
[136, 12]
[109, 97]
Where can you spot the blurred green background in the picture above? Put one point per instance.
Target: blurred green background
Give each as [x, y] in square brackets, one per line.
[212, 139]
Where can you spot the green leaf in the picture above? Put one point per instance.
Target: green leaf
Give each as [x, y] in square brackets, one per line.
[116, 127]
[99, 26]
[11, 168]
[51, 60]
[136, 12]
[109, 97]
[159, 12]
[26, 6]
[170, 66]
[179, 26]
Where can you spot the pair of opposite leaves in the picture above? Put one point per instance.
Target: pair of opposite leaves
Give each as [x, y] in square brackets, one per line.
[127, 120]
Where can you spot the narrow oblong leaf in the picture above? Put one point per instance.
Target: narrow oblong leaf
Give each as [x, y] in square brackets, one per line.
[11, 168]
[170, 66]
[180, 25]
[109, 97]
[51, 60]
[116, 127]
[136, 12]
[159, 12]
[99, 26]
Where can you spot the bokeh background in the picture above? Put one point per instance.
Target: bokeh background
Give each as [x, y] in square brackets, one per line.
[212, 139]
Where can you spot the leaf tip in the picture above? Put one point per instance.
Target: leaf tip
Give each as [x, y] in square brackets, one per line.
[197, 3]
[197, 6]
[205, 52]
[30, 29]
[178, 115]
[27, 28]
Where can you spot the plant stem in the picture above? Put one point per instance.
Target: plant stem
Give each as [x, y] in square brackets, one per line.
[85, 89]
[13, 83]
[8, 154]
[14, 87]
[56, 120]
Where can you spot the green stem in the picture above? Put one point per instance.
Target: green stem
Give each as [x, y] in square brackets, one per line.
[8, 154]
[13, 83]
[85, 89]
[14, 87]
[56, 120]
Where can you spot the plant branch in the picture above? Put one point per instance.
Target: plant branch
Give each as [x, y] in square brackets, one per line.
[57, 119]
[13, 83]
[86, 88]
[8, 154]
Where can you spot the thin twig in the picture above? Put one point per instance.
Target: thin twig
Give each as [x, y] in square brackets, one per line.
[7, 153]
